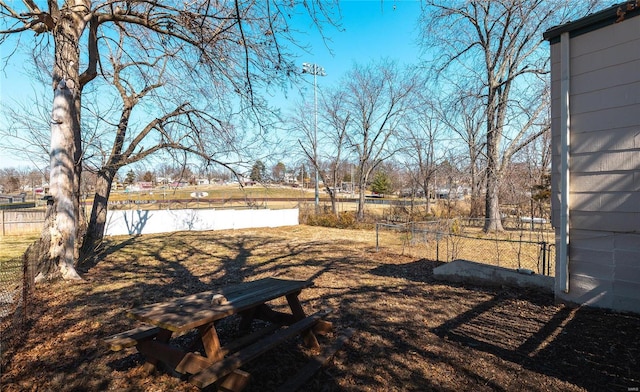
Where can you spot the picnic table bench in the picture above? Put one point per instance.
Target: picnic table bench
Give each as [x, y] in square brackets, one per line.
[200, 311]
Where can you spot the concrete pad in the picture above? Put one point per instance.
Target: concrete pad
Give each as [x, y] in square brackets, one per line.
[463, 271]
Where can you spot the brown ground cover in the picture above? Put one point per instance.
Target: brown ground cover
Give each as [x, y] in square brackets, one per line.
[412, 333]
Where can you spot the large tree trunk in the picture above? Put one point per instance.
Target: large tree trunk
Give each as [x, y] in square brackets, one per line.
[61, 224]
[333, 193]
[98, 219]
[59, 230]
[360, 213]
[362, 182]
[425, 189]
[476, 198]
[493, 220]
[334, 204]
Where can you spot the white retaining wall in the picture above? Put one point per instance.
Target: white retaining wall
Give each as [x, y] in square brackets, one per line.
[123, 222]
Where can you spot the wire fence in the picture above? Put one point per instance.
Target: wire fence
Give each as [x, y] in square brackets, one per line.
[525, 244]
[16, 284]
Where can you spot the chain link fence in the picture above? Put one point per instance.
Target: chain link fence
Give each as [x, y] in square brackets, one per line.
[16, 283]
[525, 244]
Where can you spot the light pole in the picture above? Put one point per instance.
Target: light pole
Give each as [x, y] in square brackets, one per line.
[315, 70]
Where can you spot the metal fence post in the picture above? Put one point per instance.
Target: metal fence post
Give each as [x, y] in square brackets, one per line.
[377, 237]
[544, 257]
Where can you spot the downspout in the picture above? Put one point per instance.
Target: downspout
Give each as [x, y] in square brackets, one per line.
[562, 273]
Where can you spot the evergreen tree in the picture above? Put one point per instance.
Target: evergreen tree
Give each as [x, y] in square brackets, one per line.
[131, 177]
[381, 183]
[257, 171]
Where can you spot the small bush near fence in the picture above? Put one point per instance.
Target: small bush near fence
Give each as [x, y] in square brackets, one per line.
[326, 218]
[522, 245]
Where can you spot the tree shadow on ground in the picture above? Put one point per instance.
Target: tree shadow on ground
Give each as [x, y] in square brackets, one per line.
[526, 328]
[417, 271]
[136, 271]
[553, 340]
[413, 332]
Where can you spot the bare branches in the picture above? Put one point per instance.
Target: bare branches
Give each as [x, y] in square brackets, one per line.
[376, 96]
[220, 49]
[179, 61]
[31, 19]
[92, 48]
[497, 43]
[246, 50]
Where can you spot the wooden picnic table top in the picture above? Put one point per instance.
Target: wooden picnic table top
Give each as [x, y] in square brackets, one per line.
[195, 310]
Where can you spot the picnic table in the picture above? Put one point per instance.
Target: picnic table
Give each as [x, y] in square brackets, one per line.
[200, 311]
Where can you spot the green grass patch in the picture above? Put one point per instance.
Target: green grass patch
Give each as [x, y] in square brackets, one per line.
[13, 246]
[11, 250]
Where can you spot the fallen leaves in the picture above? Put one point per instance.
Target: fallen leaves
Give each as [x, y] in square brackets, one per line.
[413, 333]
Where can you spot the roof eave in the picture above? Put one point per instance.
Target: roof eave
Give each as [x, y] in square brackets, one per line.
[595, 21]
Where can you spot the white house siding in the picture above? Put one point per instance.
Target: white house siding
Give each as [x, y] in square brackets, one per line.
[604, 247]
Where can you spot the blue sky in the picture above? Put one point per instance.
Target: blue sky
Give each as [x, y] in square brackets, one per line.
[373, 29]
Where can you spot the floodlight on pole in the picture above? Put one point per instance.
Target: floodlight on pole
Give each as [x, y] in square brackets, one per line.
[315, 70]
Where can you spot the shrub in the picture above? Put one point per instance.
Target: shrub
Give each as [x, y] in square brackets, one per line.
[344, 220]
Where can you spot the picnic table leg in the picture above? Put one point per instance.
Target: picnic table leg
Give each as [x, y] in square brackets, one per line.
[298, 314]
[246, 320]
[210, 342]
[163, 336]
[264, 312]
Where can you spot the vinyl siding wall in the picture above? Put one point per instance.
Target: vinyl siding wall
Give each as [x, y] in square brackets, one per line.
[604, 249]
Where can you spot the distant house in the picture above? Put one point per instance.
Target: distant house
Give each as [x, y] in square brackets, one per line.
[246, 181]
[458, 193]
[21, 198]
[178, 184]
[595, 89]
[289, 178]
[144, 184]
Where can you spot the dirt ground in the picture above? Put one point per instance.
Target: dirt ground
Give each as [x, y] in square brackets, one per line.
[412, 333]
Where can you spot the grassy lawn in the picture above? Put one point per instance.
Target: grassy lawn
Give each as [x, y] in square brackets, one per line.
[214, 192]
[14, 246]
[11, 250]
[510, 249]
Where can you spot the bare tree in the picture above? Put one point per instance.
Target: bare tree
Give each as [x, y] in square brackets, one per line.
[336, 122]
[463, 114]
[9, 180]
[278, 171]
[537, 158]
[421, 130]
[377, 96]
[232, 47]
[331, 140]
[179, 127]
[498, 43]
[26, 131]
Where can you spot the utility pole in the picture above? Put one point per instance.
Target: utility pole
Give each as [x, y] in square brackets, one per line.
[316, 71]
